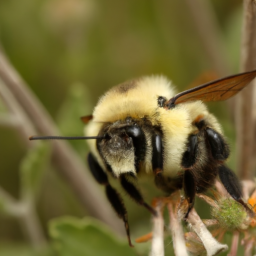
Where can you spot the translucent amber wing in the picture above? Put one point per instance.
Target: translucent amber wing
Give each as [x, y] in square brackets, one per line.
[217, 90]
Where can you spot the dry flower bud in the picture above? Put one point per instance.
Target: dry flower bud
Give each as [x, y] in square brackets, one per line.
[230, 214]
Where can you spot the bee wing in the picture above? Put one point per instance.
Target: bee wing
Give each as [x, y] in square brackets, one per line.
[86, 119]
[217, 90]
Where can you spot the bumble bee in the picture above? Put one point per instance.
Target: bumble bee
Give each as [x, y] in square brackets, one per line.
[143, 126]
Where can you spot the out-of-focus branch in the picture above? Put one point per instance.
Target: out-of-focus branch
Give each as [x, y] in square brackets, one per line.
[23, 124]
[206, 25]
[207, 28]
[68, 164]
[245, 122]
[8, 120]
[21, 210]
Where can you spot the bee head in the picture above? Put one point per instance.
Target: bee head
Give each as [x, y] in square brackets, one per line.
[118, 145]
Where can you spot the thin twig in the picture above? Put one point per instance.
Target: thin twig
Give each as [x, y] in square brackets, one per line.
[234, 244]
[244, 108]
[68, 164]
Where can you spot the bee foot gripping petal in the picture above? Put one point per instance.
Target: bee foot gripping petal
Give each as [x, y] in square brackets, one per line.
[189, 190]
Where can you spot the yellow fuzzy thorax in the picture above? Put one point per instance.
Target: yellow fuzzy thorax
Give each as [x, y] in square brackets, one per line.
[138, 101]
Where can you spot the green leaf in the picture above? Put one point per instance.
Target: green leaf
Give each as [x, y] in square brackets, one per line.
[73, 236]
[32, 168]
[77, 104]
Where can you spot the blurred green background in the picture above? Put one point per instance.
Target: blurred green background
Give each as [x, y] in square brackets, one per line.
[71, 51]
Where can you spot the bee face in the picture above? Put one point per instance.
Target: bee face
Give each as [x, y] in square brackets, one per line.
[116, 140]
[117, 148]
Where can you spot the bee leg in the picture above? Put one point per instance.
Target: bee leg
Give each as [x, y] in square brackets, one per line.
[113, 197]
[219, 147]
[157, 154]
[139, 143]
[230, 182]
[233, 186]
[134, 193]
[162, 182]
[97, 172]
[189, 189]
[188, 161]
[190, 156]
[165, 183]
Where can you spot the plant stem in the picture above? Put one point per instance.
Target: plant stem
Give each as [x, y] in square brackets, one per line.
[157, 247]
[245, 121]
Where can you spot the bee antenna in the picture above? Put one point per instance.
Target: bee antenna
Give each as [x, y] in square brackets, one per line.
[65, 137]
